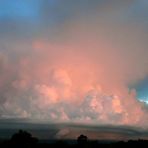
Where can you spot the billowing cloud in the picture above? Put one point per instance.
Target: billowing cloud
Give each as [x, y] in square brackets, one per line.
[79, 69]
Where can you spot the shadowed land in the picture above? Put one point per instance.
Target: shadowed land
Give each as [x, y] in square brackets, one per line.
[23, 139]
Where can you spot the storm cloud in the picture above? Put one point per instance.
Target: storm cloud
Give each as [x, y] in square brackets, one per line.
[73, 61]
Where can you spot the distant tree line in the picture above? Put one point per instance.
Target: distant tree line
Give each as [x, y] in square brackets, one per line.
[23, 139]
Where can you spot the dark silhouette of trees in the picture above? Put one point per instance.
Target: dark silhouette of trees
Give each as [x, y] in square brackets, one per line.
[23, 139]
[82, 140]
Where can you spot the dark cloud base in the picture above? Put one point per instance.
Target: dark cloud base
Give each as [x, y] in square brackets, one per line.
[72, 131]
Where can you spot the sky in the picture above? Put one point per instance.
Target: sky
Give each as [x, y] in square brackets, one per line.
[74, 61]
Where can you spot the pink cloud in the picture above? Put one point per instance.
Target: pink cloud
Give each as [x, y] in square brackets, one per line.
[82, 74]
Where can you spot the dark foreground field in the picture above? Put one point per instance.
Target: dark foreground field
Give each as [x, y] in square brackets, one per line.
[23, 139]
[65, 144]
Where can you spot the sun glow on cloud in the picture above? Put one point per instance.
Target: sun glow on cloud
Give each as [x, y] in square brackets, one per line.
[61, 85]
[77, 70]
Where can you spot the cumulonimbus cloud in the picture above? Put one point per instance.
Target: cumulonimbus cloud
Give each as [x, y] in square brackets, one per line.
[79, 73]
